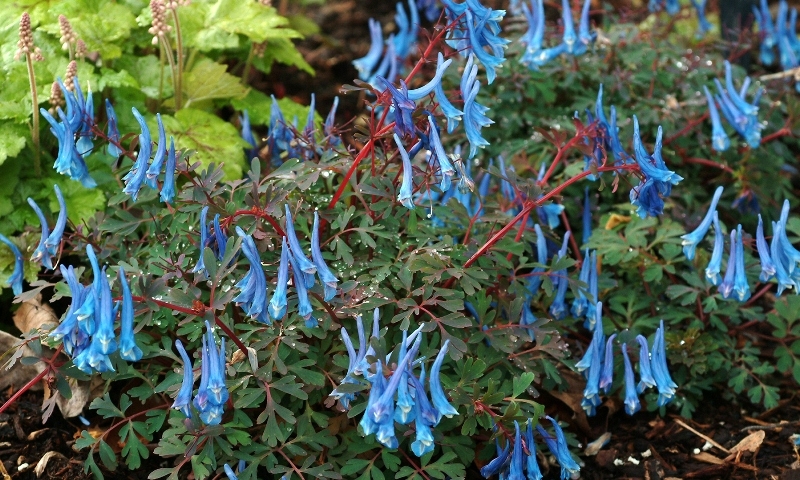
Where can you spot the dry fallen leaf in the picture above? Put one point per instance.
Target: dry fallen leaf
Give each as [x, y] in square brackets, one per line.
[33, 315]
[42, 465]
[750, 443]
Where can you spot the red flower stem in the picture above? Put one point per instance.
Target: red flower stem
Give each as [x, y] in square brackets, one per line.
[33, 381]
[778, 134]
[579, 135]
[256, 212]
[367, 149]
[231, 335]
[710, 163]
[686, 129]
[520, 232]
[531, 204]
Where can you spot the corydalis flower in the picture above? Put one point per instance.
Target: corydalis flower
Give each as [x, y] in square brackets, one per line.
[328, 279]
[767, 266]
[277, 304]
[726, 287]
[666, 387]
[253, 286]
[128, 349]
[135, 178]
[690, 240]
[42, 253]
[741, 289]
[405, 194]
[558, 447]
[558, 309]
[184, 398]
[631, 395]
[114, 148]
[15, 280]
[714, 264]
[719, 139]
[438, 398]
[167, 194]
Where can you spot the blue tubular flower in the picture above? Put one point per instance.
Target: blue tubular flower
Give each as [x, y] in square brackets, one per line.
[405, 195]
[569, 39]
[591, 364]
[168, 187]
[367, 63]
[607, 377]
[477, 39]
[534, 36]
[113, 147]
[646, 379]
[304, 308]
[42, 253]
[789, 253]
[690, 240]
[200, 267]
[229, 472]
[135, 178]
[673, 6]
[427, 89]
[74, 339]
[404, 412]
[328, 126]
[217, 391]
[593, 315]
[453, 114]
[300, 261]
[586, 37]
[631, 395]
[740, 287]
[15, 280]
[158, 159]
[253, 295]
[104, 335]
[778, 257]
[277, 304]
[542, 57]
[499, 462]
[516, 467]
[726, 287]
[128, 349]
[184, 398]
[534, 281]
[531, 463]
[328, 279]
[403, 107]
[247, 135]
[220, 243]
[558, 309]
[719, 139]
[620, 155]
[648, 164]
[85, 312]
[53, 240]
[581, 303]
[767, 266]
[445, 167]
[200, 400]
[587, 217]
[666, 387]
[704, 26]
[367, 424]
[438, 398]
[715, 263]
[423, 441]
[741, 104]
[558, 447]
[474, 118]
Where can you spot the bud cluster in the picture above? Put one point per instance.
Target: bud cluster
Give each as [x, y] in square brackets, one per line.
[160, 27]
[68, 35]
[25, 44]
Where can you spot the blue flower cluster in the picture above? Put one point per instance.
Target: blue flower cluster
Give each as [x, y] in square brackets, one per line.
[15, 280]
[402, 397]
[517, 460]
[779, 259]
[671, 6]
[782, 34]
[658, 180]
[476, 26]
[286, 140]
[743, 116]
[49, 242]
[146, 172]
[253, 286]
[87, 329]
[212, 393]
[77, 121]
[571, 43]
[385, 61]
[597, 366]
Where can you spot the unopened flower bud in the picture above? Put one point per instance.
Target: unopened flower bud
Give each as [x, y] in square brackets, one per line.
[67, 34]
[69, 77]
[160, 27]
[25, 43]
[259, 49]
[56, 97]
[80, 49]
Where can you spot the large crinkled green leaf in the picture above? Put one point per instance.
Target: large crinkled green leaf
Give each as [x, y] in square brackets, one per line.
[13, 137]
[281, 50]
[208, 80]
[146, 71]
[216, 25]
[213, 139]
